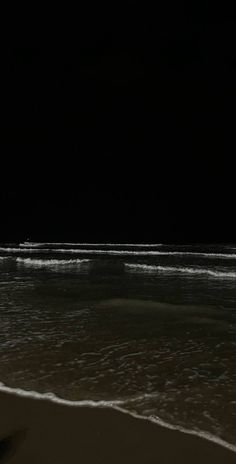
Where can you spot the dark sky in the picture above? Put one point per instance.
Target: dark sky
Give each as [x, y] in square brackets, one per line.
[121, 127]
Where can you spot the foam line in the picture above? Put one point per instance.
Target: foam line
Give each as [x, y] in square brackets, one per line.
[113, 405]
[183, 270]
[30, 244]
[143, 245]
[54, 398]
[50, 262]
[120, 252]
[23, 250]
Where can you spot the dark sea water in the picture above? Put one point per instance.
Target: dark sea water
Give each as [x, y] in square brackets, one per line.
[152, 328]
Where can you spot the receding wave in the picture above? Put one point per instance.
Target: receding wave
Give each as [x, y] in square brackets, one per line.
[50, 262]
[119, 405]
[182, 270]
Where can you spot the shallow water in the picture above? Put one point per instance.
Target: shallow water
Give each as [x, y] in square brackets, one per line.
[153, 327]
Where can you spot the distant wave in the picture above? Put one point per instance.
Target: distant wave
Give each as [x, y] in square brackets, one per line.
[50, 262]
[143, 253]
[23, 250]
[117, 405]
[183, 270]
[120, 252]
[30, 244]
[42, 244]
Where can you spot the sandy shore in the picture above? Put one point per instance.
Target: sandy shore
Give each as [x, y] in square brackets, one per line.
[41, 432]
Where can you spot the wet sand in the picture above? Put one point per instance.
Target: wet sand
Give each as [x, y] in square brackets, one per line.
[34, 431]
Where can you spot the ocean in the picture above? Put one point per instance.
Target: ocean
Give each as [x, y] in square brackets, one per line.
[148, 328]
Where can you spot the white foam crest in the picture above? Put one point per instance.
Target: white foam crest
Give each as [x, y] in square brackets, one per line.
[55, 399]
[22, 250]
[184, 270]
[104, 244]
[50, 262]
[30, 244]
[145, 253]
[121, 252]
[115, 404]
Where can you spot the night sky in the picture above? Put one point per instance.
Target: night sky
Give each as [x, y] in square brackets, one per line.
[121, 128]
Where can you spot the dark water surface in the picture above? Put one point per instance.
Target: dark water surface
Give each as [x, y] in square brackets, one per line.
[151, 326]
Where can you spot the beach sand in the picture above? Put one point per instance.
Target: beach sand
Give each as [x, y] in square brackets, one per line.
[34, 431]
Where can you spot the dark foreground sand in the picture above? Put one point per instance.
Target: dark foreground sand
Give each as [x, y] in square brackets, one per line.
[41, 432]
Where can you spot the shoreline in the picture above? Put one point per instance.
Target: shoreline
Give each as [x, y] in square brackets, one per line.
[114, 405]
[44, 430]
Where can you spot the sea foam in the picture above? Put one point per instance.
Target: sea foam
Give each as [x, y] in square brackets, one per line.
[116, 405]
[183, 270]
[120, 252]
[104, 244]
[50, 262]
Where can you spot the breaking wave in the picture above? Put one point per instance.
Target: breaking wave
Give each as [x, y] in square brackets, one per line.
[120, 252]
[23, 250]
[182, 270]
[141, 245]
[30, 244]
[50, 262]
